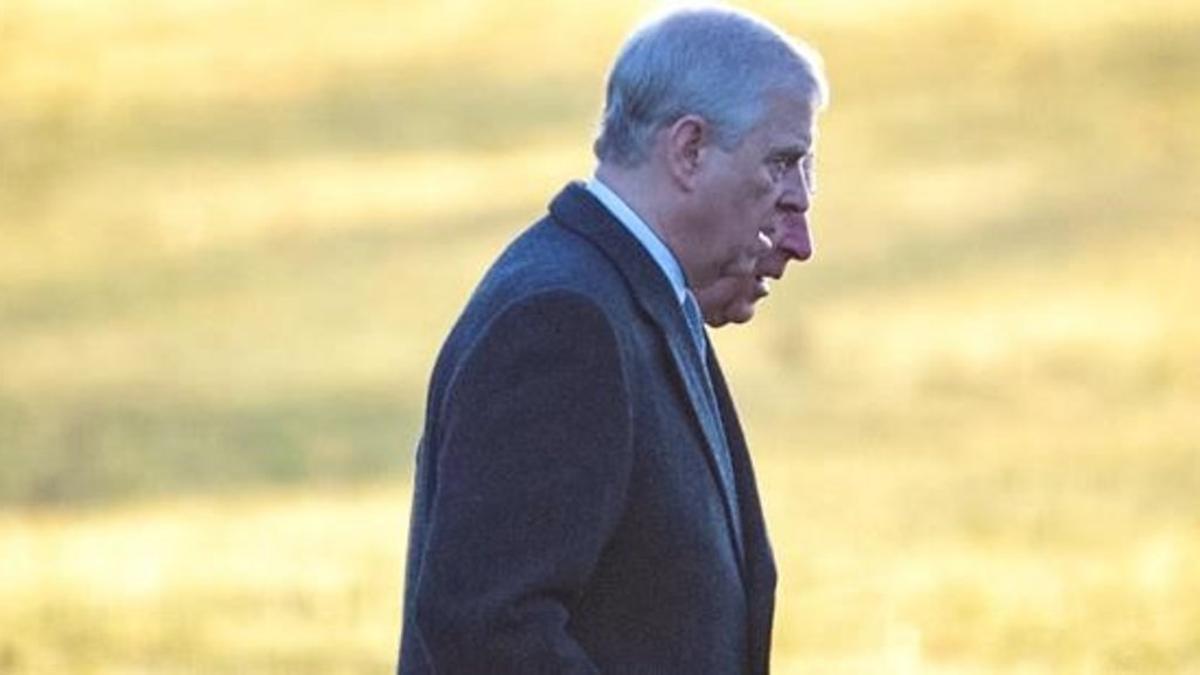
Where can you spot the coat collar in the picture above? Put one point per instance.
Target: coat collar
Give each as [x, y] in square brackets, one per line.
[578, 210]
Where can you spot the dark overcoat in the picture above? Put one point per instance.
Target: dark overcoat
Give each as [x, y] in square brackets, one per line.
[568, 515]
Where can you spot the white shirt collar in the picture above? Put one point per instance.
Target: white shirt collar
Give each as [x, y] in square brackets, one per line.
[648, 238]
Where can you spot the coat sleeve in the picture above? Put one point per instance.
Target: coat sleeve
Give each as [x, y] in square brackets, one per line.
[532, 465]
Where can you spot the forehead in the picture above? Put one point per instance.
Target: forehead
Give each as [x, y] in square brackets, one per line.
[789, 121]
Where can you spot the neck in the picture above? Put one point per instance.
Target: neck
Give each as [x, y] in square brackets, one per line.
[642, 190]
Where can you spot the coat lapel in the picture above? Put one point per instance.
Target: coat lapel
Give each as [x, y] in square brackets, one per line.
[761, 574]
[576, 209]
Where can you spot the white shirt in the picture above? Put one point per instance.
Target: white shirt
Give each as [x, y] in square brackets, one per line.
[646, 236]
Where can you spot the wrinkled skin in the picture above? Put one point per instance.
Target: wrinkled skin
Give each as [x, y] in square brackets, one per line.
[775, 162]
[732, 298]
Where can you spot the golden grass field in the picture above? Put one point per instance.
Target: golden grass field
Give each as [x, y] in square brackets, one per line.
[234, 232]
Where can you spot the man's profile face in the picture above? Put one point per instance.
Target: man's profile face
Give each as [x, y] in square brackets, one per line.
[768, 182]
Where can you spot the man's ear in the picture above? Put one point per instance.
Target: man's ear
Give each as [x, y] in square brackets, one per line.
[687, 141]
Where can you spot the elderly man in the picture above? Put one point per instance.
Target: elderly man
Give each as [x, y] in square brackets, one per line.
[583, 498]
[731, 299]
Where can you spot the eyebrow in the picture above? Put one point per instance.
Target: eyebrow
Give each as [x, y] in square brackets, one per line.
[797, 150]
[797, 143]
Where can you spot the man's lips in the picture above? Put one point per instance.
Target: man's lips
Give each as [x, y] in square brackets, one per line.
[762, 288]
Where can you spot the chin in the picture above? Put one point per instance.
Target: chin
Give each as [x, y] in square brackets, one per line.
[740, 316]
[740, 313]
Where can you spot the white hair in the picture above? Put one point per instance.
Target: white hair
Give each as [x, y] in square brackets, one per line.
[714, 62]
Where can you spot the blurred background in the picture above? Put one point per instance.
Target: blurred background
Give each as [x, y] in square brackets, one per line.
[233, 234]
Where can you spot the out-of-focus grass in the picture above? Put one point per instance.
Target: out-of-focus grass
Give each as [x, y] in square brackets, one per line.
[233, 234]
[275, 583]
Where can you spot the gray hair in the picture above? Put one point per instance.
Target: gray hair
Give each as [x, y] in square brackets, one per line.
[714, 62]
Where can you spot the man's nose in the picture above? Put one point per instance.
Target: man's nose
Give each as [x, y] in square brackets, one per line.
[792, 237]
[796, 241]
[790, 241]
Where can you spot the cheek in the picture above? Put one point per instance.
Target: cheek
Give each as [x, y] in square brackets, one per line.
[763, 188]
[765, 194]
[755, 189]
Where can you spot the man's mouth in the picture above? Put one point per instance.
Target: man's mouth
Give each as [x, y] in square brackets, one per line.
[762, 287]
